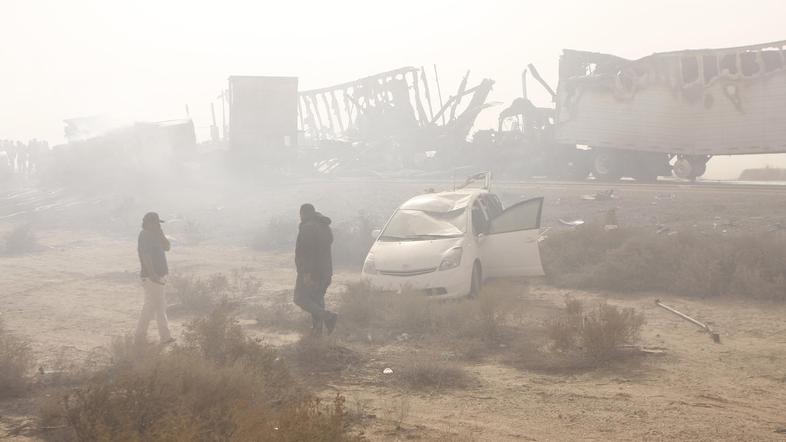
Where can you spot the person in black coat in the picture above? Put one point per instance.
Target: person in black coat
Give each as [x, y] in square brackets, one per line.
[314, 262]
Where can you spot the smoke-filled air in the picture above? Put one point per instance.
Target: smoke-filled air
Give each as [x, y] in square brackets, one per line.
[367, 221]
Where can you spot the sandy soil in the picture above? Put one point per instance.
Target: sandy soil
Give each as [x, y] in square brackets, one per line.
[81, 289]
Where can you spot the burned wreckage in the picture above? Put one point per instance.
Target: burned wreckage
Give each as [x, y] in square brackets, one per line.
[667, 113]
[391, 120]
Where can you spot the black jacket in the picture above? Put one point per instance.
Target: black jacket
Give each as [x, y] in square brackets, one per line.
[313, 248]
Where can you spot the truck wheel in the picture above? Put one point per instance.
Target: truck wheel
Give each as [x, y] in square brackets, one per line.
[606, 165]
[688, 168]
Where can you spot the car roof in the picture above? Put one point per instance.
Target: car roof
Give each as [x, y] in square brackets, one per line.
[443, 201]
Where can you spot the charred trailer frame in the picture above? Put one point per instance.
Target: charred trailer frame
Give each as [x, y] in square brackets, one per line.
[391, 114]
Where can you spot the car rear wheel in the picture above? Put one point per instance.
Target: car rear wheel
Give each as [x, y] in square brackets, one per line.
[477, 281]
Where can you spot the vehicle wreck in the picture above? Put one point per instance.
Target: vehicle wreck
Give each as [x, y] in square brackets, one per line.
[446, 244]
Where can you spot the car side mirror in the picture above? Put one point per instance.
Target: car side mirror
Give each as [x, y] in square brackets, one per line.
[375, 233]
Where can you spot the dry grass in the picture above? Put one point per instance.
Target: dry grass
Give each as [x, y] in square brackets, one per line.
[366, 314]
[220, 385]
[599, 333]
[16, 362]
[689, 263]
[201, 294]
[195, 294]
[428, 372]
[321, 355]
[281, 313]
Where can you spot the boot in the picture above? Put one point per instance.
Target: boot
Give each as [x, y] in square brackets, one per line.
[330, 321]
[316, 326]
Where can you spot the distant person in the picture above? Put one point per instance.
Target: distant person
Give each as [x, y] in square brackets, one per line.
[152, 247]
[314, 262]
[11, 148]
[21, 157]
[33, 148]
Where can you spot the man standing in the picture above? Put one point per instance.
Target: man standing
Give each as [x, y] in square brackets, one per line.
[314, 262]
[152, 245]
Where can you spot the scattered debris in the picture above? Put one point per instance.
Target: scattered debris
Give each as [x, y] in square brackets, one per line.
[666, 196]
[574, 223]
[777, 227]
[715, 336]
[603, 195]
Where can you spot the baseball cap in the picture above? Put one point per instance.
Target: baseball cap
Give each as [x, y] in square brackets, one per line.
[152, 217]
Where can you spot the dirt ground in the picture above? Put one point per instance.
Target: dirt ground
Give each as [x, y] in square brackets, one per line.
[80, 289]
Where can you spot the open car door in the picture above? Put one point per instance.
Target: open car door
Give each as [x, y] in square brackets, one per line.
[510, 249]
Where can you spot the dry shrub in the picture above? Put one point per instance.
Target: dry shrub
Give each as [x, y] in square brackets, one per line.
[599, 333]
[317, 354]
[16, 362]
[690, 263]
[199, 294]
[365, 311]
[427, 372]
[20, 240]
[220, 385]
[244, 283]
[281, 313]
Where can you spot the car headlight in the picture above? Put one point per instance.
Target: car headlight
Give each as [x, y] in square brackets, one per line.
[451, 259]
[369, 267]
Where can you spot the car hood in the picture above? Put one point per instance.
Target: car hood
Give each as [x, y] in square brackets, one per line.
[399, 256]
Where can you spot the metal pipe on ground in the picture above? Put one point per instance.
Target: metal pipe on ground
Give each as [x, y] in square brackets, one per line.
[715, 336]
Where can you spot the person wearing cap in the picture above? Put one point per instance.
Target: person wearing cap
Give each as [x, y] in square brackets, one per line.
[314, 262]
[152, 247]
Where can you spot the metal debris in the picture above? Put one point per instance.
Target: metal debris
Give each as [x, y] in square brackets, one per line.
[715, 336]
[574, 223]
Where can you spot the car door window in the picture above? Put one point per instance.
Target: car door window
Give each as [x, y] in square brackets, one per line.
[493, 205]
[522, 216]
[480, 222]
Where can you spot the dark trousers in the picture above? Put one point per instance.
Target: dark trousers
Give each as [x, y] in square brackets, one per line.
[311, 298]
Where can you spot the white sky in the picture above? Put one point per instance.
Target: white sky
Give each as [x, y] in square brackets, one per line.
[147, 59]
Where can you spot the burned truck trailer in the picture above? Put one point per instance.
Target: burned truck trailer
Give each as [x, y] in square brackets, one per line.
[671, 112]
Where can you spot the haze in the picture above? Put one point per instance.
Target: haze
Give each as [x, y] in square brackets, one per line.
[147, 60]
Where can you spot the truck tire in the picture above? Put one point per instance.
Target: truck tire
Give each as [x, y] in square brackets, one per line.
[606, 165]
[689, 168]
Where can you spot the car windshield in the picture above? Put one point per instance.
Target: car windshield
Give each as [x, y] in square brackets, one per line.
[415, 225]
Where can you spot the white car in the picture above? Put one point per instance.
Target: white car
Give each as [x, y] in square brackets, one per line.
[447, 244]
